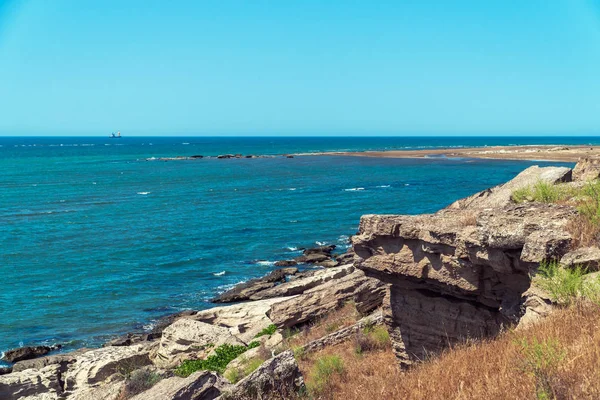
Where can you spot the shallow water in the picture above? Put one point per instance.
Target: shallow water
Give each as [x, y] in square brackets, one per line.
[94, 240]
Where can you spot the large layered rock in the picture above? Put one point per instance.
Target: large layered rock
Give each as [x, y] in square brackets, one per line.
[367, 293]
[587, 169]
[190, 339]
[587, 257]
[243, 320]
[201, 385]
[245, 290]
[463, 271]
[27, 353]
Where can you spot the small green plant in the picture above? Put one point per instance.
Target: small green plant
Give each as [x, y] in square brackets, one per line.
[381, 336]
[564, 285]
[252, 365]
[299, 352]
[234, 375]
[290, 332]
[541, 359]
[332, 327]
[224, 354]
[542, 192]
[252, 345]
[269, 330]
[324, 369]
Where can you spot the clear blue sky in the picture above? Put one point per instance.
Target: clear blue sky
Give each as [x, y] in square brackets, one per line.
[78, 67]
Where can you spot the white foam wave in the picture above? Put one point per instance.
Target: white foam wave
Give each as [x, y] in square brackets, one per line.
[293, 221]
[184, 143]
[354, 189]
[292, 248]
[292, 189]
[407, 184]
[320, 243]
[143, 193]
[265, 263]
[343, 239]
[383, 186]
[219, 273]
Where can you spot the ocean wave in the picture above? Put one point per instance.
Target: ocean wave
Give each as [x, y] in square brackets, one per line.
[143, 193]
[219, 273]
[383, 186]
[354, 189]
[292, 248]
[292, 189]
[344, 239]
[265, 263]
[184, 143]
[320, 243]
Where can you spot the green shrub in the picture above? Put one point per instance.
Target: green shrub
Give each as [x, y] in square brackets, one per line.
[299, 352]
[564, 285]
[252, 345]
[269, 330]
[324, 368]
[224, 354]
[233, 375]
[381, 336]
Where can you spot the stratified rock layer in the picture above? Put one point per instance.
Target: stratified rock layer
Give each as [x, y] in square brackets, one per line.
[464, 271]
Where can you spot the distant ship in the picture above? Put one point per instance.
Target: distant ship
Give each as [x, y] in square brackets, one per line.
[115, 136]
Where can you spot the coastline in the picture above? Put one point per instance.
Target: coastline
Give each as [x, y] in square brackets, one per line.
[513, 153]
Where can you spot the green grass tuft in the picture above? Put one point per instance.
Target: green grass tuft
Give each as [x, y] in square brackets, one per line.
[324, 368]
[564, 285]
[269, 330]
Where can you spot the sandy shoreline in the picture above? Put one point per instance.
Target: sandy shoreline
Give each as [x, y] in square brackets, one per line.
[531, 153]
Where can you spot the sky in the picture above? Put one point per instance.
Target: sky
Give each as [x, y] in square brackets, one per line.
[224, 67]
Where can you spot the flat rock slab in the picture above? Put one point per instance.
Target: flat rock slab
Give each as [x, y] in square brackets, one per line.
[201, 385]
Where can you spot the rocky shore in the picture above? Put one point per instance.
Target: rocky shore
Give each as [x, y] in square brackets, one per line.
[433, 280]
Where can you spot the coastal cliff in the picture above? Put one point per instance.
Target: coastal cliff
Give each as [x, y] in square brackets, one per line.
[466, 271]
[435, 280]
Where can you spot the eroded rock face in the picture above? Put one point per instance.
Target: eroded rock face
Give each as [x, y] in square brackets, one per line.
[463, 271]
[587, 257]
[245, 290]
[587, 169]
[27, 353]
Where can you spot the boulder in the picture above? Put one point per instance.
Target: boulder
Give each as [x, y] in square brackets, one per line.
[5, 370]
[278, 377]
[587, 257]
[28, 352]
[190, 339]
[366, 292]
[587, 169]
[167, 320]
[313, 258]
[244, 320]
[201, 385]
[285, 263]
[131, 338]
[38, 384]
[243, 291]
[326, 250]
[93, 368]
[500, 196]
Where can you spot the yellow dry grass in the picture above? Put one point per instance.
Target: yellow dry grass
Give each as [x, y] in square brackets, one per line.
[559, 358]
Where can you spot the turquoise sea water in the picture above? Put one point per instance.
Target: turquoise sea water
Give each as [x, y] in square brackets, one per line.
[97, 241]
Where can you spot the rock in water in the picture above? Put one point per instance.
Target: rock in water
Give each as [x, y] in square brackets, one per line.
[27, 353]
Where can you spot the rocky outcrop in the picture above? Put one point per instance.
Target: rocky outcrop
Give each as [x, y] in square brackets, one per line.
[278, 377]
[190, 339]
[245, 290]
[462, 272]
[27, 353]
[201, 385]
[367, 293]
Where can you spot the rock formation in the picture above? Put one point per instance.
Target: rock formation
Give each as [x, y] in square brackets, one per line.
[463, 272]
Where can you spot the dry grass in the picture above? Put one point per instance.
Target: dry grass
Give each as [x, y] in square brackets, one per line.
[468, 219]
[335, 320]
[555, 359]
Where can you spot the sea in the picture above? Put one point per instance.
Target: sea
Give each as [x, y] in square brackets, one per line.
[99, 237]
